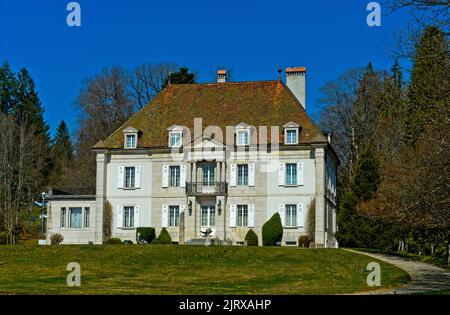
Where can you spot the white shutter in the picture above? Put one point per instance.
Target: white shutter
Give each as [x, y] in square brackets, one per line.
[119, 217]
[232, 216]
[282, 174]
[165, 216]
[136, 217]
[137, 177]
[233, 175]
[120, 176]
[300, 215]
[251, 215]
[165, 176]
[300, 177]
[281, 211]
[182, 176]
[251, 174]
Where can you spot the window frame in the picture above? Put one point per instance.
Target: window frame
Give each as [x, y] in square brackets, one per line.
[244, 175]
[132, 177]
[70, 225]
[242, 215]
[289, 216]
[286, 137]
[174, 216]
[129, 135]
[287, 175]
[63, 217]
[87, 217]
[238, 132]
[180, 134]
[177, 178]
[130, 223]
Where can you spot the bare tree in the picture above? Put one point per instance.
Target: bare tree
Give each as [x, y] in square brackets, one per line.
[147, 80]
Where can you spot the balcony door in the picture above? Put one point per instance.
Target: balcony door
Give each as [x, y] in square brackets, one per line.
[208, 220]
[209, 177]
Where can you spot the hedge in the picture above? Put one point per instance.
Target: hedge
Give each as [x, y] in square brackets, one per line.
[251, 238]
[272, 231]
[145, 233]
[163, 238]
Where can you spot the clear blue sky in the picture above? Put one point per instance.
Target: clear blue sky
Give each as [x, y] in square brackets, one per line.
[255, 37]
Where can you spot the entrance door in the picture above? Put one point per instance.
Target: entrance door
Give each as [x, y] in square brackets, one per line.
[208, 217]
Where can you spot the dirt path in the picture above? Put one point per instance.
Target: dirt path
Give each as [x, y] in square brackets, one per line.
[425, 277]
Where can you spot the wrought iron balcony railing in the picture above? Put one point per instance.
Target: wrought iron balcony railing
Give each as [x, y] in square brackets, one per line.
[199, 188]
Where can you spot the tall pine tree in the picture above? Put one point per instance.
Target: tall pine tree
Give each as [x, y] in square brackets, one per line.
[61, 154]
[8, 86]
[430, 81]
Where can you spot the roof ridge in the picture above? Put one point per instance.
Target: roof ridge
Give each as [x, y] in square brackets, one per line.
[223, 83]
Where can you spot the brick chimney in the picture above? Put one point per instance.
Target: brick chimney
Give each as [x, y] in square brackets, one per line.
[296, 82]
[221, 76]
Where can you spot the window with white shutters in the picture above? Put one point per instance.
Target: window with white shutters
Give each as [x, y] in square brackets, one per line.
[242, 215]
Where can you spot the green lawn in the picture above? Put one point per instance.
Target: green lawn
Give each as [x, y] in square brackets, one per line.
[172, 269]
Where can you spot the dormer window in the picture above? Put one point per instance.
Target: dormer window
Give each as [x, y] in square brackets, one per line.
[291, 136]
[130, 138]
[243, 137]
[242, 134]
[291, 130]
[175, 139]
[131, 141]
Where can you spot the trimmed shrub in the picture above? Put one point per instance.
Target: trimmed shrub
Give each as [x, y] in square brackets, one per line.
[272, 231]
[304, 241]
[113, 241]
[145, 234]
[251, 238]
[2, 238]
[163, 238]
[56, 239]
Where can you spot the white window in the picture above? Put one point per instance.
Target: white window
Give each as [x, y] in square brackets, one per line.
[130, 177]
[208, 216]
[130, 141]
[242, 217]
[291, 174]
[174, 215]
[174, 176]
[291, 216]
[242, 178]
[87, 216]
[128, 216]
[291, 136]
[243, 137]
[175, 139]
[75, 218]
[63, 217]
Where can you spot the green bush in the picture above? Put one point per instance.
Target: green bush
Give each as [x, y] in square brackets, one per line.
[113, 241]
[145, 233]
[304, 241]
[251, 238]
[2, 238]
[163, 238]
[272, 231]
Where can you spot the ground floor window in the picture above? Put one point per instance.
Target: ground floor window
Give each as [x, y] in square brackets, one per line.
[174, 215]
[63, 217]
[291, 215]
[75, 218]
[128, 216]
[87, 217]
[242, 218]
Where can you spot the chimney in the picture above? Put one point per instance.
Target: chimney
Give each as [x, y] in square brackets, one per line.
[221, 76]
[296, 82]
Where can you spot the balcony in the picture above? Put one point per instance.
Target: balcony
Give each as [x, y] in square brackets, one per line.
[210, 189]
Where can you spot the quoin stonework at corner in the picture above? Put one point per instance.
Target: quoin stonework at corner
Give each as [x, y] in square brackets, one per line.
[223, 156]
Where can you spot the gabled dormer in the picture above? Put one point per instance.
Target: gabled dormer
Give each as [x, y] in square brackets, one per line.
[291, 133]
[175, 136]
[243, 134]
[130, 138]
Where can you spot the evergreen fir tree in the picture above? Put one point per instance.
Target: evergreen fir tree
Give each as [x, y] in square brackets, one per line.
[8, 86]
[430, 79]
[367, 175]
[181, 77]
[62, 155]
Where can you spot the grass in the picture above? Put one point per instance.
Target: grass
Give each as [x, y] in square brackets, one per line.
[172, 269]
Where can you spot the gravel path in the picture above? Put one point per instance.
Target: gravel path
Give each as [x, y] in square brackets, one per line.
[425, 277]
